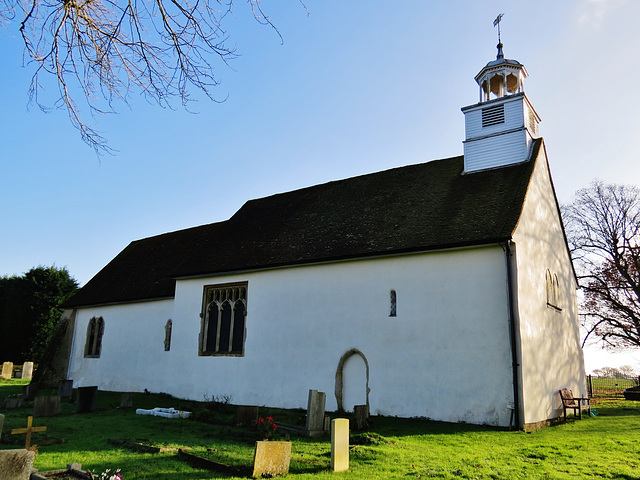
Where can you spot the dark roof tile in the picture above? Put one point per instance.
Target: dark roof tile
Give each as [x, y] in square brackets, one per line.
[413, 208]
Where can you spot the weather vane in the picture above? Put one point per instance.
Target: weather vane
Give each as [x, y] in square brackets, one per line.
[497, 22]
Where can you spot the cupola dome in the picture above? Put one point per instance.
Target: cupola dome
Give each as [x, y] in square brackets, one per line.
[500, 128]
[501, 77]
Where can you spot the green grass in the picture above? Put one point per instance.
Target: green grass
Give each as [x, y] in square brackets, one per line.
[605, 446]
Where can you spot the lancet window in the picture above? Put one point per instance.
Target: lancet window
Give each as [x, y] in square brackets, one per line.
[95, 330]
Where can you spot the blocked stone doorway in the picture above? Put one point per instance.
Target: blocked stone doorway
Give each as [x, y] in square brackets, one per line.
[352, 380]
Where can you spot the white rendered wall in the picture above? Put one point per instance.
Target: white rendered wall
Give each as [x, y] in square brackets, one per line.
[444, 356]
[132, 356]
[551, 353]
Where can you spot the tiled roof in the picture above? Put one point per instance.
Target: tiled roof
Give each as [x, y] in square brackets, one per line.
[408, 209]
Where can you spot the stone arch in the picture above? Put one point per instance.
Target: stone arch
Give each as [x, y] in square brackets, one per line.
[340, 377]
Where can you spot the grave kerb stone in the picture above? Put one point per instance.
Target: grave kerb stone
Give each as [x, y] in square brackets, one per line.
[16, 464]
[315, 411]
[13, 401]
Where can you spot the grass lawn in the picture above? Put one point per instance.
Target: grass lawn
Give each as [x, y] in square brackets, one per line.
[605, 446]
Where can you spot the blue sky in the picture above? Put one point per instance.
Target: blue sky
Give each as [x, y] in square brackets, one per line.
[355, 87]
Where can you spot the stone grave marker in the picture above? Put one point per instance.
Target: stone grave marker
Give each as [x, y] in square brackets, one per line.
[126, 401]
[315, 413]
[246, 415]
[1, 424]
[30, 391]
[361, 414]
[27, 370]
[339, 444]
[7, 370]
[65, 388]
[271, 458]
[16, 464]
[13, 401]
[46, 406]
[86, 397]
[29, 430]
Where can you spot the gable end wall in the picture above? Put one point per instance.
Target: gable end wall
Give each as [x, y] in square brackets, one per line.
[552, 356]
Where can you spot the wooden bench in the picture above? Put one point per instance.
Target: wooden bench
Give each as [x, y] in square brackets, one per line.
[569, 402]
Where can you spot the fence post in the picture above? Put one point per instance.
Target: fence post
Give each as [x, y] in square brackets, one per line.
[590, 386]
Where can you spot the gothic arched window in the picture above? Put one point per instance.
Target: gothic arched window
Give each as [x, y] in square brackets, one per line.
[95, 330]
[552, 286]
[224, 312]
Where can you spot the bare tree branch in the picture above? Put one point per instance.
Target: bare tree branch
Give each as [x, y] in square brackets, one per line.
[603, 228]
[102, 51]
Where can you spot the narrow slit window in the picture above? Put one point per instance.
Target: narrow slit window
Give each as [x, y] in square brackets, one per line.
[167, 335]
[393, 303]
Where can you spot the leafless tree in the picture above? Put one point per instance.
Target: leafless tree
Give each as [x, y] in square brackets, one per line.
[100, 51]
[603, 226]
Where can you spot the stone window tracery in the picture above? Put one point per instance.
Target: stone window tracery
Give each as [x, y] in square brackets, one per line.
[95, 330]
[224, 311]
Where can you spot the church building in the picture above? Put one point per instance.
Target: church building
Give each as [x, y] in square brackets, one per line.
[442, 290]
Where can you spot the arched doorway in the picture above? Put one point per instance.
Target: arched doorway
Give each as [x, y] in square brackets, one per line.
[352, 380]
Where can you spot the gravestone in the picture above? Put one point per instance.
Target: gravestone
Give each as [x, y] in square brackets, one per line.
[339, 444]
[46, 406]
[65, 388]
[16, 464]
[126, 401]
[27, 370]
[86, 397]
[30, 391]
[13, 401]
[361, 414]
[1, 424]
[315, 413]
[7, 370]
[271, 458]
[246, 415]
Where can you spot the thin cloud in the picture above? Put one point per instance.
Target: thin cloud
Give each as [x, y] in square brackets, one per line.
[595, 12]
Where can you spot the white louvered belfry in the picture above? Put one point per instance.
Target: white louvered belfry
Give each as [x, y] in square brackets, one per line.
[501, 127]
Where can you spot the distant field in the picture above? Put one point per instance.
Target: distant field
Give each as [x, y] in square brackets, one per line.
[611, 386]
